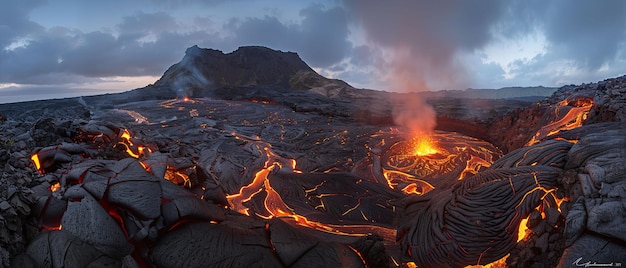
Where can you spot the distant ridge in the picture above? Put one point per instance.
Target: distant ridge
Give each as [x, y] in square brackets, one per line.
[512, 92]
[517, 93]
[203, 69]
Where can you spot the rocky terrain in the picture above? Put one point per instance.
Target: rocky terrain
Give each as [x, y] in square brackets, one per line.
[252, 158]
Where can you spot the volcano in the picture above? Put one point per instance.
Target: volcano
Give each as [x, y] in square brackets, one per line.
[251, 158]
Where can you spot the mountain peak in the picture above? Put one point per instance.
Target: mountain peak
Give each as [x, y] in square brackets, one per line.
[246, 66]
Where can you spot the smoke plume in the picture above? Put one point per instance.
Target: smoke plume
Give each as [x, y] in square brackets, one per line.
[420, 41]
[189, 78]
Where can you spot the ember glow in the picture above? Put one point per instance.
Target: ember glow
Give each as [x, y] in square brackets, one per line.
[132, 150]
[177, 176]
[275, 206]
[53, 228]
[409, 164]
[35, 159]
[567, 115]
[501, 263]
[245, 168]
[55, 186]
[549, 200]
[424, 146]
[417, 188]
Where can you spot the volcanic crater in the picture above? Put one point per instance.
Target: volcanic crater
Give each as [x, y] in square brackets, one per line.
[252, 159]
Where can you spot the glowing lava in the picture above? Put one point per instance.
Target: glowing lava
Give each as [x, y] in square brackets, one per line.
[549, 200]
[424, 146]
[133, 150]
[176, 176]
[54, 187]
[413, 165]
[35, 158]
[575, 113]
[276, 207]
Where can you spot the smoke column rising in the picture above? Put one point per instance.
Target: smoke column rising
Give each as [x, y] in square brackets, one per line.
[191, 77]
[409, 110]
[421, 40]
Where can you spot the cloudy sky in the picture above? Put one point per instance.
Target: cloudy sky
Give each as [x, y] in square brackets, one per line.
[61, 48]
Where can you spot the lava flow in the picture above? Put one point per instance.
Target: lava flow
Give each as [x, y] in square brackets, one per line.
[573, 117]
[550, 200]
[35, 159]
[133, 150]
[418, 165]
[274, 205]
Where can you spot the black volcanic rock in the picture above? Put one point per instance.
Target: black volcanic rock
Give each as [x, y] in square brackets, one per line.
[273, 164]
[246, 66]
[209, 72]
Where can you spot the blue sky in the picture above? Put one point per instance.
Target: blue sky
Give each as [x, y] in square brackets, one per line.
[62, 48]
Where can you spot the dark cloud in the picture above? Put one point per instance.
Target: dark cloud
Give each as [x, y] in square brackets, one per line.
[146, 44]
[582, 38]
[365, 55]
[324, 35]
[267, 31]
[14, 22]
[141, 24]
[417, 43]
[590, 32]
[587, 32]
[321, 39]
[185, 3]
[434, 27]
[486, 75]
[423, 37]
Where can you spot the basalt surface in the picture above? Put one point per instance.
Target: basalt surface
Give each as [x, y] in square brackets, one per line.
[306, 171]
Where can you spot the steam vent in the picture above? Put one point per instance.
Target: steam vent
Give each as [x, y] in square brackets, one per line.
[251, 159]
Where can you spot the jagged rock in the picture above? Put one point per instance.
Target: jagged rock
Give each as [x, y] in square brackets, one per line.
[594, 251]
[477, 222]
[515, 129]
[62, 249]
[607, 149]
[337, 192]
[575, 222]
[214, 245]
[86, 219]
[273, 139]
[607, 216]
[246, 66]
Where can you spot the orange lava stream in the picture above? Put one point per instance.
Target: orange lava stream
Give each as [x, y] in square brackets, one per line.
[548, 198]
[245, 193]
[276, 207]
[523, 227]
[139, 118]
[131, 149]
[35, 159]
[177, 177]
[424, 156]
[572, 119]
